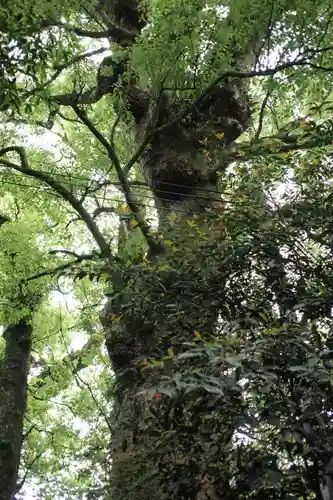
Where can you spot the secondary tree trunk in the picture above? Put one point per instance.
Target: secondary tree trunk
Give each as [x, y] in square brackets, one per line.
[14, 369]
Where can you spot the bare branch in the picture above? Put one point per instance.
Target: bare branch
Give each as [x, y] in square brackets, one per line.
[66, 118]
[80, 57]
[28, 469]
[54, 271]
[79, 257]
[223, 77]
[244, 75]
[280, 145]
[262, 112]
[74, 98]
[95, 94]
[74, 360]
[61, 67]
[113, 130]
[99, 407]
[148, 136]
[103, 210]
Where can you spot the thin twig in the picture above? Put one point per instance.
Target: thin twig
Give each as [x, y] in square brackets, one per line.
[61, 67]
[29, 467]
[54, 271]
[80, 57]
[148, 134]
[103, 210]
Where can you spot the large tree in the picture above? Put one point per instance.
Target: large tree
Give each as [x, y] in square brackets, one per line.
[199, 116]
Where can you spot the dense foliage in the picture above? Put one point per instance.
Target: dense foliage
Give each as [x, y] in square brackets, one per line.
[166, 249]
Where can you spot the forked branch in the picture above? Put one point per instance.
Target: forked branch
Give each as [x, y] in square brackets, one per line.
[154, 246]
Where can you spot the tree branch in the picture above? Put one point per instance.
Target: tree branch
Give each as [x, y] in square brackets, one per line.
[148, 136]
[262, 112]
[60, 189]
[235, 74]
[115, 34]
[74, 98]
[103, 210]
[73, 359]
[279, 145]
[154, 246]
[61, 67]
[54, 271]
[29, 467]
[80, 57]
[89, 256]
[94, 95]
[224, 76]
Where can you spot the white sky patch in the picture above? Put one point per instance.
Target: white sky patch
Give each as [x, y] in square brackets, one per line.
[80, 426]
[48, 141]
[78, 340]
[222, 11]
[64, 299]
[90, 45]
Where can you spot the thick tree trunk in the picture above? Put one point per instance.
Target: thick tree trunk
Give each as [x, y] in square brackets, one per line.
[184, 185]
[174, 304]
[164, 322]
[14, 370]
[137, 430]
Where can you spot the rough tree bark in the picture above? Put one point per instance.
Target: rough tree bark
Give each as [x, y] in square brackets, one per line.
[14, 369]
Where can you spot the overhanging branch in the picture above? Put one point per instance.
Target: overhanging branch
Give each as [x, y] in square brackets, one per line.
[217, 81]
[61, 67]
[55, 270]
[74, 98]
[74, 360]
